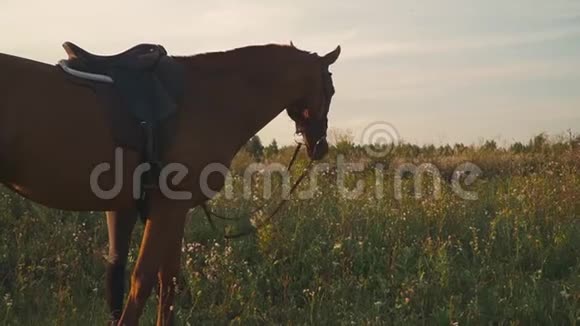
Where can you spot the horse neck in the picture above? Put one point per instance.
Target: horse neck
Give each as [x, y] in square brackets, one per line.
[242, 96]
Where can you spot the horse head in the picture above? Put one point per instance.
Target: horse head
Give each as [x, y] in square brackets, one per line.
[310, 111]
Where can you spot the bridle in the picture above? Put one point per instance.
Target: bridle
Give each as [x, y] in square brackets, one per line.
[328, 91]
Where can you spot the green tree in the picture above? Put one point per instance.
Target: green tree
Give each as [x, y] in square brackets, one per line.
[538, 143]
[518, 148]
[255, 148]
[272, 149]
[490, 146]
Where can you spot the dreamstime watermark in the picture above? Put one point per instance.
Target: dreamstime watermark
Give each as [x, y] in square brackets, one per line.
[178, 172]
[350, 179]
[381, 137]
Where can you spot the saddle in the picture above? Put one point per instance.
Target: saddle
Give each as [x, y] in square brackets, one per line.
[140, 89]
[140, 57]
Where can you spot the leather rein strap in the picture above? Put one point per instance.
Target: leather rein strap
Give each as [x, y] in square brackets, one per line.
[259, 224]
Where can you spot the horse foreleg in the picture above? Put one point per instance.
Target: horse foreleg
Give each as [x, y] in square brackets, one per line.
[168, 274]
[120, 226]
[163, 229]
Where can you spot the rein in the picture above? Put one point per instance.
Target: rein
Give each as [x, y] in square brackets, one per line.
[260, 224]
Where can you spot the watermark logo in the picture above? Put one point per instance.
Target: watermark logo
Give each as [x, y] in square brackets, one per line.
[381, 137]
[348, 178]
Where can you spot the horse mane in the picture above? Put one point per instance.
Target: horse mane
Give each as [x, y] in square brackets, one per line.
[249, 57]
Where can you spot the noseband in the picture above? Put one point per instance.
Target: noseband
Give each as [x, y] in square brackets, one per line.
[328, 92]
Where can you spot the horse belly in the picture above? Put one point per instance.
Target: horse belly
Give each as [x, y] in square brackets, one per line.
[67, 184]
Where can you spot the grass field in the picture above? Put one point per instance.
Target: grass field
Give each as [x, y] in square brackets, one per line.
[510, 257]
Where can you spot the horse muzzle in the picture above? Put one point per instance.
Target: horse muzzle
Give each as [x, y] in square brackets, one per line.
[319, 150]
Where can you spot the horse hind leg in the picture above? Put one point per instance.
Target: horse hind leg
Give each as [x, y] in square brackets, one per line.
[120, 225]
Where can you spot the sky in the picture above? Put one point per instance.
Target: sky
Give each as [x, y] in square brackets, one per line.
[433, 71]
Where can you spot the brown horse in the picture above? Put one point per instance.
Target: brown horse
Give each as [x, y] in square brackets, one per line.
[54, 132]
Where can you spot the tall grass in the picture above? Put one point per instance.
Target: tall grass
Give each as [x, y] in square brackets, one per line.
[511, 257]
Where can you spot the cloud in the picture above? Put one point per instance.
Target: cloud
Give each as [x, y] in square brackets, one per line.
[381, 48]
[445, 79]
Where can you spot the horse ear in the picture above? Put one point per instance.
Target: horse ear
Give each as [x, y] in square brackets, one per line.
[331, 57]
[292, 44]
